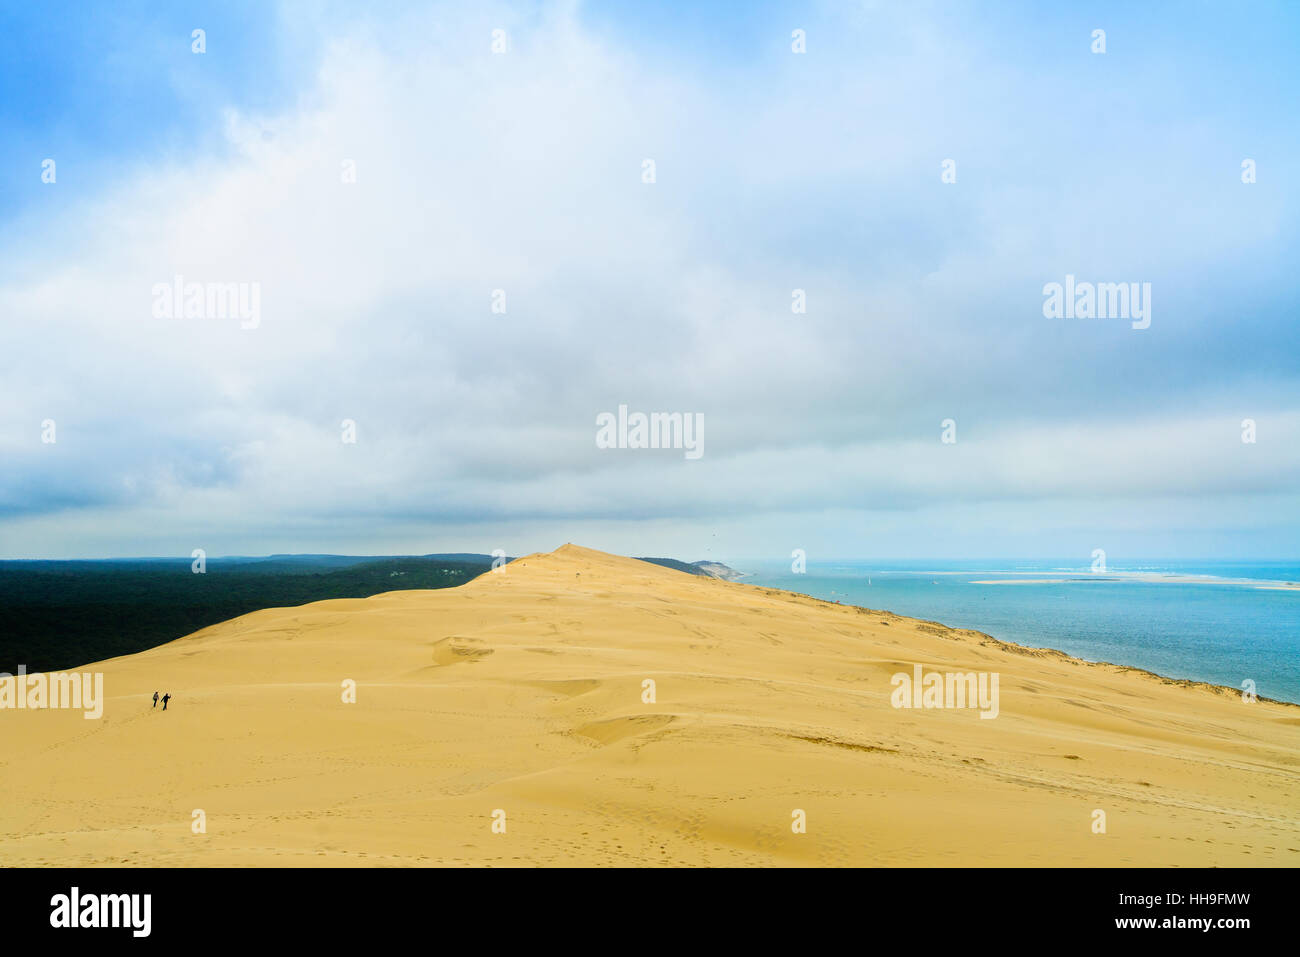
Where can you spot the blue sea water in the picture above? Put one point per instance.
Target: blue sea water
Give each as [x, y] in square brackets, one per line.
[1224, 631]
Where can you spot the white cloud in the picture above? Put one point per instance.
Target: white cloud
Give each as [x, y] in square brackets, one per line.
[522, 172]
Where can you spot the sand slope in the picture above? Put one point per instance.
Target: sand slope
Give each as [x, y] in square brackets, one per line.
[522, 691]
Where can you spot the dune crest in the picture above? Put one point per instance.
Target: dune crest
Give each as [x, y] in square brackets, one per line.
[619, 712]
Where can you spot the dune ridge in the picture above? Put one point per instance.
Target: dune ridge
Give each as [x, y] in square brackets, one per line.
[522, 692]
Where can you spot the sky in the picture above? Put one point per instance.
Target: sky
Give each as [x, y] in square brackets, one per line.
[457, 265]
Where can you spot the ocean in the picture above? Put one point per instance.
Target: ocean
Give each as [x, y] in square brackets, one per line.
[1221, 628]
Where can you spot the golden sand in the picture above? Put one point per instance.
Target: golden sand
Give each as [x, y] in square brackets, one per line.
[522, 692]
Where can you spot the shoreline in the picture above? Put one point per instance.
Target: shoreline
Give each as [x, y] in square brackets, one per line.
[1032, 650]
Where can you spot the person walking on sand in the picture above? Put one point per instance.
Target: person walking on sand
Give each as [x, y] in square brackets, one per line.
[166, 698]
[155, 699]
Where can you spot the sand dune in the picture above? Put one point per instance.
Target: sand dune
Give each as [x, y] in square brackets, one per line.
[522, 691]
